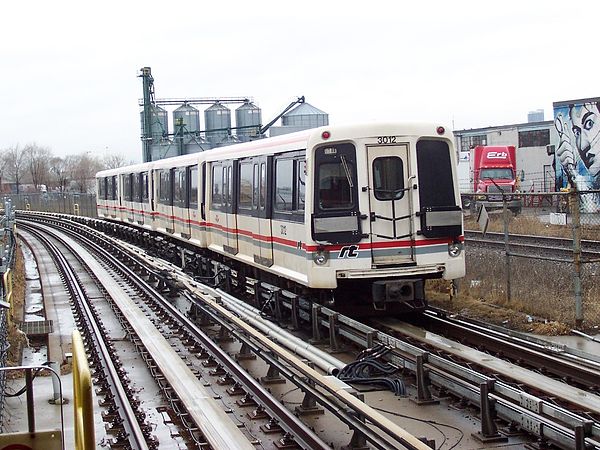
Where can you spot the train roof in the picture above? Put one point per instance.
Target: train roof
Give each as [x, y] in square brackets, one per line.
[286, 142]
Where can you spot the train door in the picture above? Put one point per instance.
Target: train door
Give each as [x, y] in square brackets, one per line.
[193, 202]
[145, 216]
[101, 197]
[253, 216]
[390, 205]
[127, 197]
[165, 200]
[231, 229]
[221, 214]
[264, 253]
[181, 216]
[113, 195]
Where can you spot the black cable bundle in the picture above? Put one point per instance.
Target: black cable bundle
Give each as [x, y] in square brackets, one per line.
[369, 369]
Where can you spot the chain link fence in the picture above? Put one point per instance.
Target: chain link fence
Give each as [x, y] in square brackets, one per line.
[539, 282]
[528, 267]
[7, 260]
[67, 203]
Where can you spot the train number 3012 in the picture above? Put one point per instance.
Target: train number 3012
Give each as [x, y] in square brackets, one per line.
[386, 139]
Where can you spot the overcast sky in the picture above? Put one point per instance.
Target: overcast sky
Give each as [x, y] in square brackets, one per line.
[69, 69]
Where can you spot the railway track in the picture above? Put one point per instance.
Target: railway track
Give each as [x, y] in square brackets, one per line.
[380, 432]
[125, 419]
[569, 365]
[432, 367]
[543, 247]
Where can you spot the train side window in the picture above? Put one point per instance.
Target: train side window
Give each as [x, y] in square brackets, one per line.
[136, 185]
[127, 187]
[203, 192]
[102, 188]
[284, 172]
[246, 188]
[217, 187]
[288, 193]
[388, 178]
[180, 187]
[255, 186]
[144, 187]
[262, 190]
[165, 187]
[193, 186]
[229, 188]
[300, 171]
[113, 187]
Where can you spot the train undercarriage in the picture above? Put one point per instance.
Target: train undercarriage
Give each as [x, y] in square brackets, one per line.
[272, 294]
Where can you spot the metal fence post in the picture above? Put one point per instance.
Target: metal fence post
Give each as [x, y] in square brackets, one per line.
[576, 225]
[506, 250]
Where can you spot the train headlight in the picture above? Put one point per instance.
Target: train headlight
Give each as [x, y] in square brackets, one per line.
[321, 257]
[454, 249]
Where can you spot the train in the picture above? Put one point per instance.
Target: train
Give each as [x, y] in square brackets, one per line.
[355, 216]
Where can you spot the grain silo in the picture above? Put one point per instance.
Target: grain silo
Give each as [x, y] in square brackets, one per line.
[218, 122]
[248, 120]
[305, 116]
[186, 120]
[159, 120]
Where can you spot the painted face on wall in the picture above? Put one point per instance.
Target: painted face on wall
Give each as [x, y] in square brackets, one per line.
[586, 129]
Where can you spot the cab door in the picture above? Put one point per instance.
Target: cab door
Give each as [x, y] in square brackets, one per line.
[390, 204]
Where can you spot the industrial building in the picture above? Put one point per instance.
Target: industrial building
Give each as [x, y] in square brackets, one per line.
[540, 144]
[187, 133]
[534, 165]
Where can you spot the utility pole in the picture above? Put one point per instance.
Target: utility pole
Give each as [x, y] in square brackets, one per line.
[148, 87]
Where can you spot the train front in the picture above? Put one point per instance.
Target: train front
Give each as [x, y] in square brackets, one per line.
[385, 215]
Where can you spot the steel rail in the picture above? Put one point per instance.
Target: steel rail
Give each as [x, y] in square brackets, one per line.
[213, 426]
[288, 421]
[537, 354]
[533, 414]
[513, 405]
[394, 431]
[78, 294]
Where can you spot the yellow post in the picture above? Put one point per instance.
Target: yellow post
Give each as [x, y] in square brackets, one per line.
[85, 437]
[76, 209]
[8, 288]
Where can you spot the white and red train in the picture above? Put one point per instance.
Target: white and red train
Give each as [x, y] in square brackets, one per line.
[357, 215]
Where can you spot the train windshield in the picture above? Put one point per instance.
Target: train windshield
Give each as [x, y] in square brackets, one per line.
[335, 183]
[436, 185]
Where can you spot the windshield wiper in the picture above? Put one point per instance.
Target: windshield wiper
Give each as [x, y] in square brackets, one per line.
[347, 170]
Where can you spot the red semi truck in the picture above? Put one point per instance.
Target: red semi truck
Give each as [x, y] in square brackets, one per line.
[494, 173]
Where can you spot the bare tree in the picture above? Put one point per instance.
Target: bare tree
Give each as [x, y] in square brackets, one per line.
[114, 161]
[82, 169]
[59, 171]
[37, 160]
[3, 163]
[15, 165]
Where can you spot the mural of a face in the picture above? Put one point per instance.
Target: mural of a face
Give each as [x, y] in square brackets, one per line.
[586, 130]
